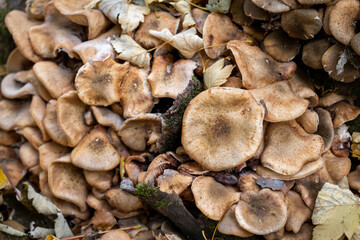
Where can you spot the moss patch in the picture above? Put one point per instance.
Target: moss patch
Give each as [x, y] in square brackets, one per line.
[144, 190]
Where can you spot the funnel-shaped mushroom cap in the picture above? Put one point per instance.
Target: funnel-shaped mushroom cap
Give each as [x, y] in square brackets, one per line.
[29, 156]
[218, 30]
[273, 6]
[354, 179]
[49, 152]
[99, 179]
[301, 23]
[230, 226]
[313, 51]
[342, 18]
[212, 198]
[298, 212]
[309, 121]
[155, 21]
[19, 25]
[136, 132]
[70, 116]
[56, 34]
[281, 103]
[37, 111]
[135, 93]
[76, 12]
[285, 140]
[343, 112]
[54, 78]
[68, 183]
[98, 82]
[14, 87]
[116, 234]
[98, 49]
[169, 79]
[95, 152]
[325, 128]
[123, 201]
[51, 124]
[222, 128]
[15, 114]
[266, 207]
[173, 181]
[17, 62]
[257, 68]
[11, 165]
[106, 117]
[9, 138]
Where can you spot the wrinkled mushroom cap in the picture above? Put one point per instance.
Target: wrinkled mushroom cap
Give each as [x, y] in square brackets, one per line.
[216, 140]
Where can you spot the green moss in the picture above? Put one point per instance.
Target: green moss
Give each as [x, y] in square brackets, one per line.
[162, 204]
[145, 190]
[6, 44]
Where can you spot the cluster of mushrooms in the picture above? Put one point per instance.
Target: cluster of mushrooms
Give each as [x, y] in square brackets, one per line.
[82, 108]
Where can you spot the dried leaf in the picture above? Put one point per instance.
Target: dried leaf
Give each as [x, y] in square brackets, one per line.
[217, 74]
[11, 231]
[184, 7]
[131, 51]
[221, 6]
[336, 212]
[187, 42]
[51, 237]
[3, 179]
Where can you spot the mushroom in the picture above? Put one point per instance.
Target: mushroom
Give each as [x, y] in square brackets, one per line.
[212, 198]
[337, 167]
[229, 225]
[298, 212]
[313, 51]
[192, 168]
[12, 166]
[33, 135]
[171, 181]
[8, 138]
[14, 85]
[305, 233]
[100, 180]
[313, 2]
[116, 234]
[39, 87]
[325, 128]
[16, 62]
[354, 43]
[309, 121]
[15, 114]
[199, 17]
[272, 6]
[227, 113]
[97, 204]
[238, 13]
[257, 68]
[331, 98]
[303, 87]
[123, 201]
[256, 13]
[354, 179]
[343, 112]
[103, 220]
[37, 111]
[266, 206]
[49, 152]
[106, 77]
[247, 182]
[29, 156]
[341, 143]
[106, 117]
[35, 9]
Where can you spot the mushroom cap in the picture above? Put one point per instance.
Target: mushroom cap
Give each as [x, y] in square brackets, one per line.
[137, 131]
[354, 43]
[199, 17]
[95, 152]
[247, 182]
[123, 201]
[17, 62]
[266, 206]
[303, 87]
[331, 98]
[273, 6]
[325, 128]
[309, 121]
[39, 87]
[255, 12]
[343, 112]
[229, 225]
[35, 9]
[305, 233]
[105, 79]
[33, 135]
[106, 117]
[15, 114]
[192, 168]
[354, 179]
[211, 197]
[12, 166]
[37, 111]
[285, 140]
[173, 181]
[49, 152]
[169, 78]
[101, 180]
[219, 29]
[281, 103]
[97, 204]
[18, 25]
[337, 167]
[116, 234]
[55, 79]
[8, 138]
[313, 2]
[29, 156]
[257, 68]
[214, 124]
[13, 87]
[301, 23]
[313, 51]
[70, 116]
[341, 143]
[298, 212]
[342, 18]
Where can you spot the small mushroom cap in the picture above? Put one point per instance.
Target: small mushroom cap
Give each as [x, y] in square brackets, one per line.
[247, 182]
[337, 167]
[173, 181]
[343, 112]
[97, 204]
[230, 226]
[70, 116]
[309, 121]
[103, 88]
[123, 201]
[303, 87]
[12, 166]
[116, 234]
[199, 17]
[355, 43]
[39, 87]
[325, 128]
[305, 233]
[37, 111]
[8, 138]
[49, 152]
[331, 98]
[301, 23]
[168, 78]
[137, 131]
[212, 198]
[35, 9]
[29, 156]
[273, 6]
[217, 140]
[285, 140]
[257, 68]
[99, 179]
[54, 78]
[298, 212]
[219, 29]
[266, 206]
[106, 117]
[18, 25]
[68, 183]
[103, 220]
[15, 114]
[17, 62]
[155, 21]
[341, 143]
[342, 18]
[33, 135]
[13, 87]
[95, 152]
[256, 13]
[354, 179]
[313, 51]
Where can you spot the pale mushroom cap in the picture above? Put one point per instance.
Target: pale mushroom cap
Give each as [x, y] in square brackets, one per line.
[95, 152]
[273, 6]
[309, 121]
[217, 119]
[123, 201]
[212, 198]
[106, 117]
[173, 181]
[29, 156]
[17, 62]
[298, 212]
[99, 179]
[49, 152]
[106, 77]
[15, 114]
[331, 98]
[12, 87]
[285, 140]
[230, 226]
[266, 207]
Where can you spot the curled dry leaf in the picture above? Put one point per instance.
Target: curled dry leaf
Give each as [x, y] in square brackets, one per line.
[217, 74]
[184, 7]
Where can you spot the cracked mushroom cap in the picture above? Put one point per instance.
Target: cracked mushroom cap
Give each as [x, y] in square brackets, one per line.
[49, 152]
[230, 226]
[14, 85]
[267, 207]
[313, 51]
[285, 140]
[173, 181]
[225, 115]
[98, 82]
[106, 117]
[298, 212]
[19, 25]
[99, 179]
[95, 152]
[273, 6]
[257, 68]
[211, 197]
[309, 121]
[343, 112]
[140, 131]
[169, 78]
[16, 62]
[15, 114]
[37, 111]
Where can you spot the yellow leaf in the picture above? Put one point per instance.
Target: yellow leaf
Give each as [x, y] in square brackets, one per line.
[217, 74]
[122, 168]
[3, 179]
[51, 237]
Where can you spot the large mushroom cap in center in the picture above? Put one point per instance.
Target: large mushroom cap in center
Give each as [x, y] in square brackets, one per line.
[222, 128]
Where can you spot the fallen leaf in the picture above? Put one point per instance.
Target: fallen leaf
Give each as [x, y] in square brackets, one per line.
[11, 231]
[131, 51]
[221, 6]
[3, 179]
[217, 74]
[51, 237]
[187, 42]
[184, 7]
[336, 212]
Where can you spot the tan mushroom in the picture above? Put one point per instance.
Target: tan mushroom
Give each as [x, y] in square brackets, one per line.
[354, 179]
[97, 204]
[276, 6]
[257, 68]
[39, 87]
[303, 87]
[12, 166]
[29, 156]
[133, 167]
[298, 212]
[8, 138]
[256, 13]
[49, 152]
[116, 234]
[341, 143]
[14, 85]
[33, 135]
[199, 17]
[343, 112]
[355, 43]
[171, 181]
[99, 179]
[17, 62]
[226, 116]
[313, 51]
[229, 225]
[337, 167]
[192, 168]
[37, 111]
[106, 117]
[95, 152]
[309, 121]
[103, 220]
[106, 77]
[305, 233]
[169, 78]
[15, 114]
[35, 9]
[212, 198]
[331, 98]
[123, 201]
[325, 128]
[247, 182]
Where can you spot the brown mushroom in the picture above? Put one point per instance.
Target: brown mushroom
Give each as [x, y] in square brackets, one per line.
[354, 179]
[8, 138]
[17, 62]
[355, 43]
[341, 143]
[35, 9]
[100, 180]
[337, 167]
[253, 11]
[272, 6]
[97, 204]
[298, 212]
[106, 117]
[343, 112]
[171, 181]
[29, 156]
[103, 220]
[313, 51]
[116, 234]
[33, 135]
[49, 152]
[309, 121]
[15, 114]
[37, 111]
[330, 99]
[14, 85]
[229, 225]
[305, 233]
[123, 201]
[325, 128]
